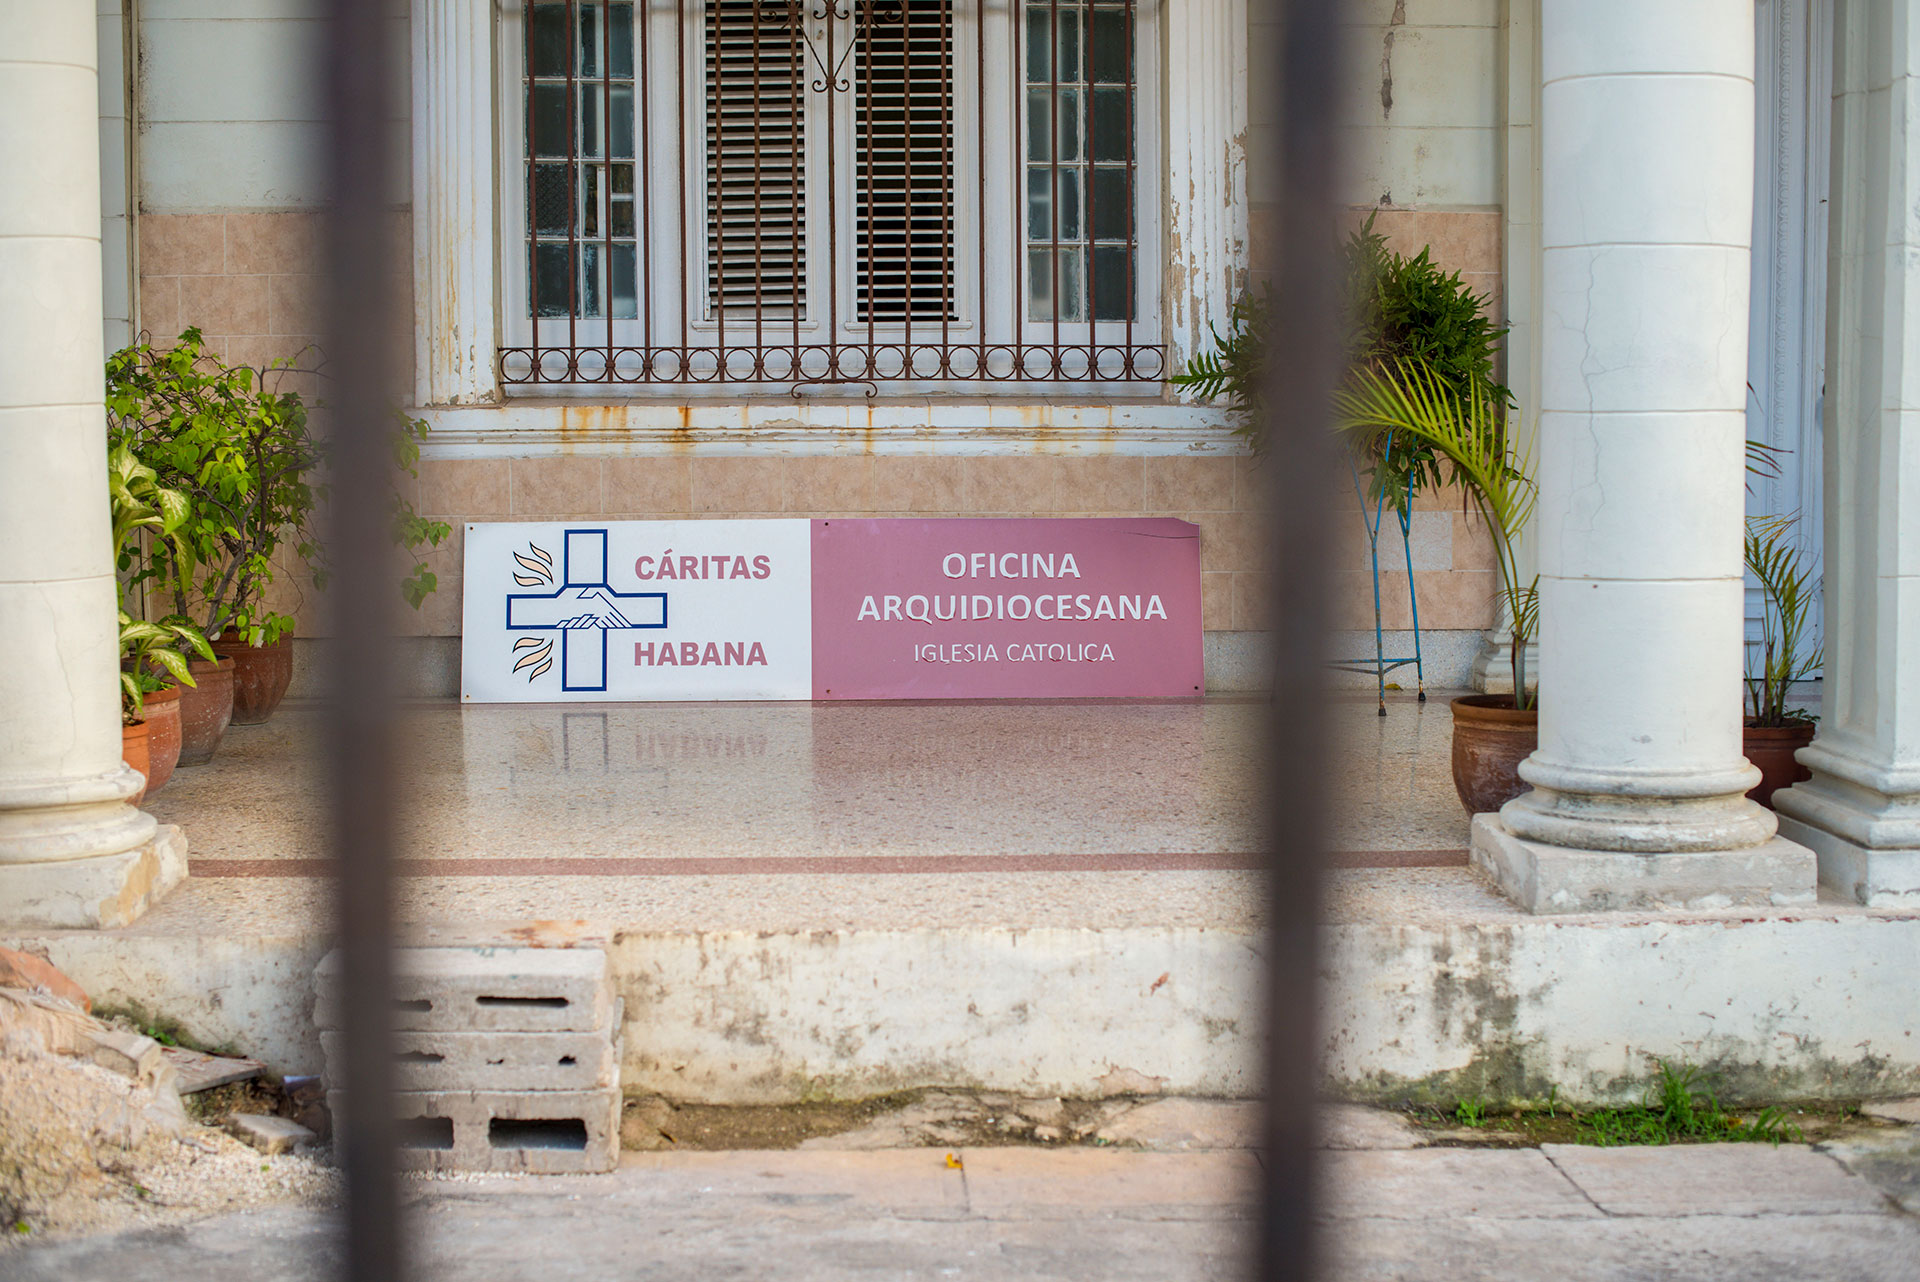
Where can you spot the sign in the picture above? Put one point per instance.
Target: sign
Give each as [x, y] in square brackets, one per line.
[832, 609]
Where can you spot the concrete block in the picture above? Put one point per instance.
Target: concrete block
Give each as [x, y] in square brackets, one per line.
[1715, 1179]
[532, 1132]
[489, 1061]
[269, 1134]
[129, 1054]
[1893, 1110]
[523, 990]
[1178, 1125]
[1553, 879]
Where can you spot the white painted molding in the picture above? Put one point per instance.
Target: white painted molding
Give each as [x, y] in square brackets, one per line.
[522, 429]
[454, 291]
[1206, 209]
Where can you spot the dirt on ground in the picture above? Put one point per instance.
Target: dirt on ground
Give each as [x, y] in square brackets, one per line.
[910, 1119]
[1526, 1128]
[84, 1149]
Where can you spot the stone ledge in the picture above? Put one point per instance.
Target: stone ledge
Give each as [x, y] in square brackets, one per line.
[90, 894]
[1876, 878]
[1553, 879]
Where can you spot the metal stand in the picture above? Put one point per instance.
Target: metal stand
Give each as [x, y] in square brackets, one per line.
[1380, 664]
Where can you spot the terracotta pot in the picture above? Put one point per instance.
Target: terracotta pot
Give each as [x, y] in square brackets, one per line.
[1772, 748]
[162, 711]
[205, 709]
[260, 675]
[1490, 740]
[133, 751]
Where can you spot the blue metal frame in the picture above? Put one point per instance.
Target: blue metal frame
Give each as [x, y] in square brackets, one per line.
[1380, 665]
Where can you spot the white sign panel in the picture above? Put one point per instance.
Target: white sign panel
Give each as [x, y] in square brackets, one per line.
[628, 610]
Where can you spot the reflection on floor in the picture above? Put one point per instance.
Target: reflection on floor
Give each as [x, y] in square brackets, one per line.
[762, 816]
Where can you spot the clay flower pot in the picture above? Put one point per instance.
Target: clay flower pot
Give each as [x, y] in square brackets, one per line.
[261, 674]
[1490, 740]
[133, 751]
[162, 712]
[205, 710]
[1772, 748]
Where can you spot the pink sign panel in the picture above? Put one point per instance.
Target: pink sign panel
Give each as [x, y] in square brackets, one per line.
[1006, 609]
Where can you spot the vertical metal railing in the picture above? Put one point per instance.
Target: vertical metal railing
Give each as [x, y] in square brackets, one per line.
[794, 93]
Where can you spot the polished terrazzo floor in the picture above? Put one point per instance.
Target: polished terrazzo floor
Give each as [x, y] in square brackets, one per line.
[777, 816]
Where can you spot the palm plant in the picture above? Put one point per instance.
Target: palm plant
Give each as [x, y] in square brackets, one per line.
[1779, 562]
[1408, 398]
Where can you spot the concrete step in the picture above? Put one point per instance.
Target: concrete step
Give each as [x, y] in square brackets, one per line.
[521, 990]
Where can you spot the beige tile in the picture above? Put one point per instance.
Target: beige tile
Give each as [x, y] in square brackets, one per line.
[1472, 545]
[732, 486]
[1232, 540]
[1101, 484]
[1252, 598]
[556, 486]
[1456, 599]
[464, 489]
[1187, 485]
[182, 245]
[644, 487]
[1025, 486]
[930, 484]
[293, 304]
[280, 243]
[261, 351]
[830, 485]
[225, 304]
[1252, 481]
[1216, 602]
[160, 308]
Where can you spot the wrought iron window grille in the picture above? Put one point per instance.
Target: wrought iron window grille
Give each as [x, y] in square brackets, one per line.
[822, 194]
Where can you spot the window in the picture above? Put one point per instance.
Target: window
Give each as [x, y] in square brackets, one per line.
[874, 193]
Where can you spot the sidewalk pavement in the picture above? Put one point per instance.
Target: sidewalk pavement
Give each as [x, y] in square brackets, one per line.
[1565, 1213]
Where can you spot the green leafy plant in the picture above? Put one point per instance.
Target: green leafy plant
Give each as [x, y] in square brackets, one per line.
[1468, 435]
[150, 652]
[244, 455]
[1398, 309]
[1678, 1108]
[411, 531]
[1471, 1113]
[1775, 557]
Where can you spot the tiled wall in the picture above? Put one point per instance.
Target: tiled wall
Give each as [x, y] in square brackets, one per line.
[247, 281]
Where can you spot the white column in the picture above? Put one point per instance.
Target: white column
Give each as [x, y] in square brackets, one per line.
[1207, 111]
[1861, 810]
[454, 257]
[72, 851]
[1646, 138]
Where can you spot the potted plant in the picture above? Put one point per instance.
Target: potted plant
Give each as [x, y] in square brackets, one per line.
[1774, 731]
[152, 668]
[243, 454]
[1492, 733]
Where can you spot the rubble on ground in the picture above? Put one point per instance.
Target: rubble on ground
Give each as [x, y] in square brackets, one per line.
[94, 1138]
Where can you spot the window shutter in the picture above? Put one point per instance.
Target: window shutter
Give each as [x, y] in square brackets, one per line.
[756, 154]
[903, 178]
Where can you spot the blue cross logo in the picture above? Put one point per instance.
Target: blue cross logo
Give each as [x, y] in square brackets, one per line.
[583, 609]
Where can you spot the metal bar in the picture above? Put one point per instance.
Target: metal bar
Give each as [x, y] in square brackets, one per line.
[980, 156]
[1085, 13]
[759, 271]
[717, 197]
[907, 180]
[533, 196]
[1018, 123]
[606, 174]
[680, 132]
[947, 261]
[797, 136]
[1413, 597]
[1127, 369]
[833, 210]
[573, 183]
[361, 760]
[643, 216]
[1053, 158]
[1302, 370]
[867, 165]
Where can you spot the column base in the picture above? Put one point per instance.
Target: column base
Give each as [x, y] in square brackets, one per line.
[1862, 822]
[1493, 666]
[93, 894]
[1554, 879]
